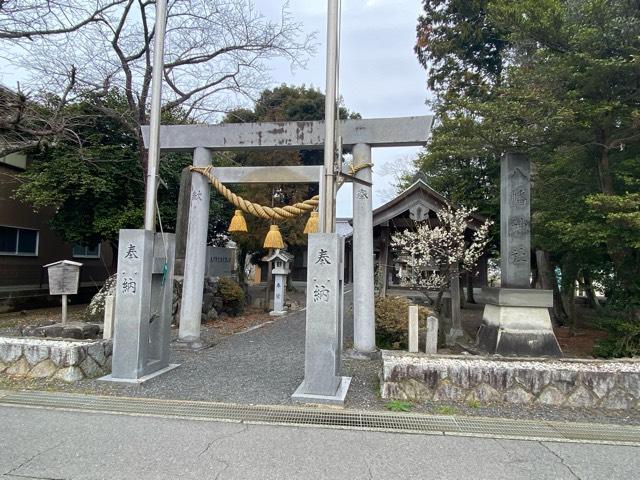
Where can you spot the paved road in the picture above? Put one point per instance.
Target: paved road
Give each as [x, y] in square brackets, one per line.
[55, 444]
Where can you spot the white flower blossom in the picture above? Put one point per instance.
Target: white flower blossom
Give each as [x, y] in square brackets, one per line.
[433, 255]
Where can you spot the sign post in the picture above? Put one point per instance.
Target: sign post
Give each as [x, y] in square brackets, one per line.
[64, 277]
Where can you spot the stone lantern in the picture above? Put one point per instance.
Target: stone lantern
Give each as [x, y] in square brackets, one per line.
[280, 269]
[64, 277]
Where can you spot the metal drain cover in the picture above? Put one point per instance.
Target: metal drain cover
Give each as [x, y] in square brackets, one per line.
[349, 419]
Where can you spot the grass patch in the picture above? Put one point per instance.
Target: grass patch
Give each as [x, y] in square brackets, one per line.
[399, 406]
[474, 403]
[446, 410]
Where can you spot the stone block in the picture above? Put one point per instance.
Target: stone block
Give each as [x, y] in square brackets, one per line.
[91, 368]
[96, 351]
[44, 369]
[3, 367]
[431, 340]
[599, 383]
[517, 395]
[448, 391]
[409, 389]
[19, 368]
[564, 380]
[72, 332]
[533, 380]
[9, 352]
[551, 396]
[36, 353]
[483, 393]
[581, 398]
[630, 382]
[109, 315]
[500, 377]
[413, 328]
[51, 331]
[69, 374]
[90, 330]
[65, 356]
[459, 375]
[618, 400]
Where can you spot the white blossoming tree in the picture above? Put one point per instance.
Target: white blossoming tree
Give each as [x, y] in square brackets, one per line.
[436, 254]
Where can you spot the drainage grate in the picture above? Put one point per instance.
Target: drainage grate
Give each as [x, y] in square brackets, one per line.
[350, 419]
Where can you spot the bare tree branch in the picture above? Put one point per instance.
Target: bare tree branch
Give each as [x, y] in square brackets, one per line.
[39, 18]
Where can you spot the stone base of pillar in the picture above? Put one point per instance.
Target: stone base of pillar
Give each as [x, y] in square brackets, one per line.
[299, 396]
[191, 344]
[516, 322]
[143, 379]
[278, 313]
[354, 354]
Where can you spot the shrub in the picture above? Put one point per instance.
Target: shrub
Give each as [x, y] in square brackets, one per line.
[232, 296]
[392, 321]
[623, 339]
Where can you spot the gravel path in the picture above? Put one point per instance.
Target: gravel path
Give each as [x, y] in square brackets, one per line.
[265, 366]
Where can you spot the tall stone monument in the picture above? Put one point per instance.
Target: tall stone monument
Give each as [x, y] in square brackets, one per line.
[322, 381]
[144, 294]
[516, 318]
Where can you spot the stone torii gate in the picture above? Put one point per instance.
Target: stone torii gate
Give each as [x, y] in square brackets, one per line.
[360, 135]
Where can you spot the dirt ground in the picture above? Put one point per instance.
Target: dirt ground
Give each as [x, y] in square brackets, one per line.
[10, 323]
[578, 344]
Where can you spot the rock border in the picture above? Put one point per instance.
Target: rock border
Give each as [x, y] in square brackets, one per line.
[69, 361]
[575, 383]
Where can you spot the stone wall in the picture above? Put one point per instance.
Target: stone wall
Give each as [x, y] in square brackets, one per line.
[65, 360]
[605, 384]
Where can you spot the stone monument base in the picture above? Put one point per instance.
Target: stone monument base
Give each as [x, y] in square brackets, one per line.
[190, 344]
[278, 313]
[299, 396]
[516, 322]
[143, 379]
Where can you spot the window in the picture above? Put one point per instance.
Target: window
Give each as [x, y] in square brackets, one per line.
[82, 251]
[18, 241]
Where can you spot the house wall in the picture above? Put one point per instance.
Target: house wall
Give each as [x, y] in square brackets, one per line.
[23, 281]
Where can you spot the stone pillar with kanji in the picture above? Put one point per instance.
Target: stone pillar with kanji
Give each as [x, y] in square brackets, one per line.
[516, 320]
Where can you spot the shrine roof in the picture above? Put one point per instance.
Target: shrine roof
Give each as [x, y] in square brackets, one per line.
[417, 199]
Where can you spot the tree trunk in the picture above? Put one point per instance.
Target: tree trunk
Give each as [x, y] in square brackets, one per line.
[547, 280]
[469, 282]
[569, 276]
[588, 287]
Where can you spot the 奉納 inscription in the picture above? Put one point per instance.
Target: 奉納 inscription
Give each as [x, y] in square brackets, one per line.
[320, 293]
[129, 286]
[132, 252]
[323, 257]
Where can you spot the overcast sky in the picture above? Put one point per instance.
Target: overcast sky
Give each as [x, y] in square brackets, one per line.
[379, 74]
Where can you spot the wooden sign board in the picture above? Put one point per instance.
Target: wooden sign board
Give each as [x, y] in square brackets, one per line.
[64, 277]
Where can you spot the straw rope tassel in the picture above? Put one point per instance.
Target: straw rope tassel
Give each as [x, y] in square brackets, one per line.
[273, 238]
[312, 223]
[238, 223]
